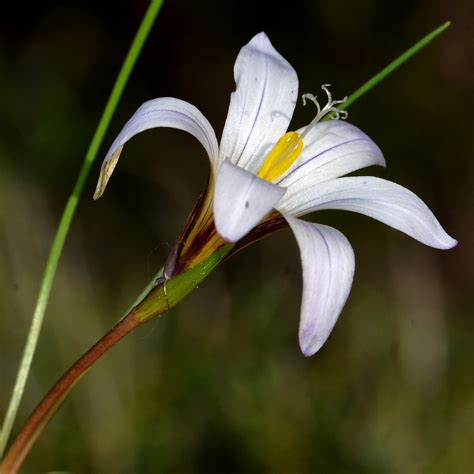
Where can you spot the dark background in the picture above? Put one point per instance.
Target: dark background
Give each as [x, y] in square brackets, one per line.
[219, 383]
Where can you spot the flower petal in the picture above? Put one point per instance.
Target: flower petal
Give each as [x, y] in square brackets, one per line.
[328, 265]
[162, 112]
[241, 200]
[383, 200]
[331, 149]
[261, 106]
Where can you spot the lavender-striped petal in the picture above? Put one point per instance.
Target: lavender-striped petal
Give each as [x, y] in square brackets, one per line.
[162, 112]
[261, 106]
[328, 265]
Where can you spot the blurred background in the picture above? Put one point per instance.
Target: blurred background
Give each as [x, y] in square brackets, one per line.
[219, 383]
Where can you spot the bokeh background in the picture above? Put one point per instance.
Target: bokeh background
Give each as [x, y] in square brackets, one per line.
[219, 384]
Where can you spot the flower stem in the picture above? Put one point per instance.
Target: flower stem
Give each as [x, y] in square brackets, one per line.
[66, 219]
[161, 297]
[54, 398]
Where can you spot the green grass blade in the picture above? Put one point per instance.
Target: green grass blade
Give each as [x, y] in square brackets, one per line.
[393, 66]
[66, 219]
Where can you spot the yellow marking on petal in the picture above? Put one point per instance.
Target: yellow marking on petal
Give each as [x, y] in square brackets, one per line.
[281, 157]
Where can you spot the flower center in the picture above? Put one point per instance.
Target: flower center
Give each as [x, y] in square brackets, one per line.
[289, 146]
[281, 157]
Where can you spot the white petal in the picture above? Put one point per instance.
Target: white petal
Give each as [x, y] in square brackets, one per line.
[162, 112]
[331, 149]
[241, 200]
[262, 105]
[383, 200]
[328, 265]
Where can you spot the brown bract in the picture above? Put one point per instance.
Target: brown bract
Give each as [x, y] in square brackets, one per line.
[199, 238]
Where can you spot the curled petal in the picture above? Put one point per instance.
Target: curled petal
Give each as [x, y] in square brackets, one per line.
[261, 106]
[383, 200]
[241, 201]
[328, 265]
[162, 112]
[331, 149]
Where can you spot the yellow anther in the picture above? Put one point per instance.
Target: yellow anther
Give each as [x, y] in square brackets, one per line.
[281, 157]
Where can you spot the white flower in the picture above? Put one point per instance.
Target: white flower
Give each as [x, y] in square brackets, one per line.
[259, 167]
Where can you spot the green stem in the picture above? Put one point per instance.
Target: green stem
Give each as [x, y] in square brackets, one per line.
[58, 393]
[393, 65]
[68, 214]
[146, 290]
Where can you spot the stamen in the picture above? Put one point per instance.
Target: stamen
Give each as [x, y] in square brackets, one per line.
[281, 157]
[330, 107]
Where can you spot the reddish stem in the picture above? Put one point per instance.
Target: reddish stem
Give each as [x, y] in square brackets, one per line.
[54, 398]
